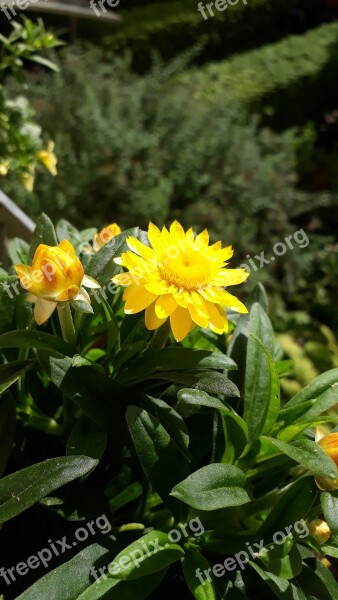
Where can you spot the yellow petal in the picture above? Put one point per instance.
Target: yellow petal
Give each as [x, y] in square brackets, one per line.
[176, 231]
[165, 306]
[43, 310]
[67, 247]
[24, 274]
[196, 316]
[217, 320]
[137, 299]
[151, 319]
[141, 249]
[228, 277]
[181, 323]
[154, 234]
[233, 303]
[202, 240]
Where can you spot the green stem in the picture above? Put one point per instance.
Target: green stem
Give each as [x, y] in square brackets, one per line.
[66, 322]
[160, 337]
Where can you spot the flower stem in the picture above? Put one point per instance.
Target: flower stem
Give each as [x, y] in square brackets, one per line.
[66, 322]
[160, 336]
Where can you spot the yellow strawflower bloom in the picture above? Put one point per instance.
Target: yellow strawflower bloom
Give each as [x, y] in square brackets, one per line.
[56, 275]
[179, 277]
[105, 235]
[48, 158]
[4, 167]
[28, 181]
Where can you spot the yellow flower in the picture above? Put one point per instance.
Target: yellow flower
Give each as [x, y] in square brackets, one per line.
[56, 275]
[105, 235]
[319, 530]
[4, 166]
[179, 277]
[329, 445]
[48, 158]
[28, 181]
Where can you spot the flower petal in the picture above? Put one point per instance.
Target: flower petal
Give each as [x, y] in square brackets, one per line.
[89, 282]
[24, 274]
[137, 299]
[151, 319]
[83, 296]
[165, 306]
[140, 249]
[43, 310]
[181, 323]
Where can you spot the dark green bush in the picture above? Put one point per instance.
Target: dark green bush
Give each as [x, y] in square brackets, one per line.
[293, 80]
[171, 27]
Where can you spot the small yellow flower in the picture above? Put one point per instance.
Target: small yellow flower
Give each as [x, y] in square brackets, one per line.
[329, 445]
[56, 275]
[319, 530]
[28, 181]
[105, 235]
[179, 277]
[48, 158]
[4, 167]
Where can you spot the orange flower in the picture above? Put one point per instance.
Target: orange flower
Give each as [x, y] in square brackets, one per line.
[56, 275]
[105, 235]
[329, 444]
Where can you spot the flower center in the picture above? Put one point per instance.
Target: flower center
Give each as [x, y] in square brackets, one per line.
[190, 270]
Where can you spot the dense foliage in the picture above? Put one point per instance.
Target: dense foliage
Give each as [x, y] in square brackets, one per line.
[187, 452]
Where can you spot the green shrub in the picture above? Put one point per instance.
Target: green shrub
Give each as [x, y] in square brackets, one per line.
[293, 80]
[171, 27]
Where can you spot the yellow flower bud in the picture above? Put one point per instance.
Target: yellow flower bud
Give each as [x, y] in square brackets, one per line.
[48, 158]
[319, 530]
[105, 235]
[56, 275]
[4, 167]
[329, 445]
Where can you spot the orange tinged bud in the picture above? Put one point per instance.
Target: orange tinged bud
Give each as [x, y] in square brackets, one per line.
[320, 531]
[56, 275]
[105, 235]
[329, 445]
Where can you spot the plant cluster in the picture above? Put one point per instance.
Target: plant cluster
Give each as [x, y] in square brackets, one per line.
[188, 448]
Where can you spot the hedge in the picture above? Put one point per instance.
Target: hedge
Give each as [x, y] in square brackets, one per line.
[171, 27]
[292, 81]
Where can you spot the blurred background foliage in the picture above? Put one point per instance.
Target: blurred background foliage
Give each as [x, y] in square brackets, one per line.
[229, 123]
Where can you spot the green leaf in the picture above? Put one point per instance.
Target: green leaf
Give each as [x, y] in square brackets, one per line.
[208, 381]
[293, 504]
[102, 267]
[151, 553]
[329, 504]
[309, 455]
[258, 295]
[283, 560]
[192, 561]
[24, 488]
[158, 454]
[73, 577]
[44, 234]
[11, 372]
[189, 397]
[86, 439]
[7, 303]
[173, 359]
[235, 436]
[18, 251]
[172, 422]
[283, 589]
[289, 433]
[7, 429]
[90, 391]
[41, 60]
[212, 487]
[111, 589]
[35, 339]
[261, 393]
[323, 389]
[317, 582]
